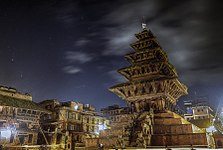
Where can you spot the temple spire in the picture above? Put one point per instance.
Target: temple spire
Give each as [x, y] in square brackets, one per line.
[143, 23]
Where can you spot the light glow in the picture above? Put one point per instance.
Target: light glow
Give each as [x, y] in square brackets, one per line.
[76, 107]
[101, 127]
[211, 129]
[6, 133]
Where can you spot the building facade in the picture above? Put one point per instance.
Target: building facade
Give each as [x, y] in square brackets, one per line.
[199, 113]
[115, 113]
[19, 118]
[71, 123]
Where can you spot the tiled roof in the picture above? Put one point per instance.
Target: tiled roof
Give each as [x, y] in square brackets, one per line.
[19, 103]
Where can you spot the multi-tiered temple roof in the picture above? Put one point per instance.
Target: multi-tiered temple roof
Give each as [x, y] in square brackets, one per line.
[150, 75]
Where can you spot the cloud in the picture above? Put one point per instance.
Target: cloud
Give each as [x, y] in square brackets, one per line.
[118, 41]
[71, 70]
[132, 11]
[125, 21]
[81, 42]
[116, 76]
[77, 57]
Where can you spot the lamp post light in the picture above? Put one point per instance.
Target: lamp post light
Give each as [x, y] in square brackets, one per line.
[5, 135]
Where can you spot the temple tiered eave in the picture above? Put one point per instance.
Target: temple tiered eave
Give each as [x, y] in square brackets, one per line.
[147, 89]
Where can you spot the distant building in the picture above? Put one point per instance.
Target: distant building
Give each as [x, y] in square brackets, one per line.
[199, 112]
[71, 123]
[19, 118]
[115, 113]
[93, 122]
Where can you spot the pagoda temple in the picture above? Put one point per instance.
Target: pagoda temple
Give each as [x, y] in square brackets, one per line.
[153, 81]
[152, 91]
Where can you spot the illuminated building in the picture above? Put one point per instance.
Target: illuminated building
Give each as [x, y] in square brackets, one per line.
[199, 112]
[93, 122]
[152, 91]
[19, 118]
[71, 124]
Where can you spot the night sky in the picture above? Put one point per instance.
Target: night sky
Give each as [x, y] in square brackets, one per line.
[70, 50]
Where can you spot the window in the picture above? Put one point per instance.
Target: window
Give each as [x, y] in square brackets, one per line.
[87, 129]
[78, 127]
[87, 119]
[30, 140]
[92, 120]
[57, 115]
[71, 127]
[73, 116]
[79, 117]
[23, 125]
[67, 115]
[92, 128]
[59, 137]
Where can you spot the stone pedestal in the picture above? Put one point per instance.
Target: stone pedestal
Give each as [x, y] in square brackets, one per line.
[172, 130]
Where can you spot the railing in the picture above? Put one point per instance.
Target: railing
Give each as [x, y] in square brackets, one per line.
[27, 114]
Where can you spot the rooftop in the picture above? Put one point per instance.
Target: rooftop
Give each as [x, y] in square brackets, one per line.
[19, 103]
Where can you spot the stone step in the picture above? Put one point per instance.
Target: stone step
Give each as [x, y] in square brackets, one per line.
[179, 139]
[174, 129]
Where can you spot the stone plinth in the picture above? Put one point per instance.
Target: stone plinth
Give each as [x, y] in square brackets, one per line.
[171, 129]
[187, 139]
